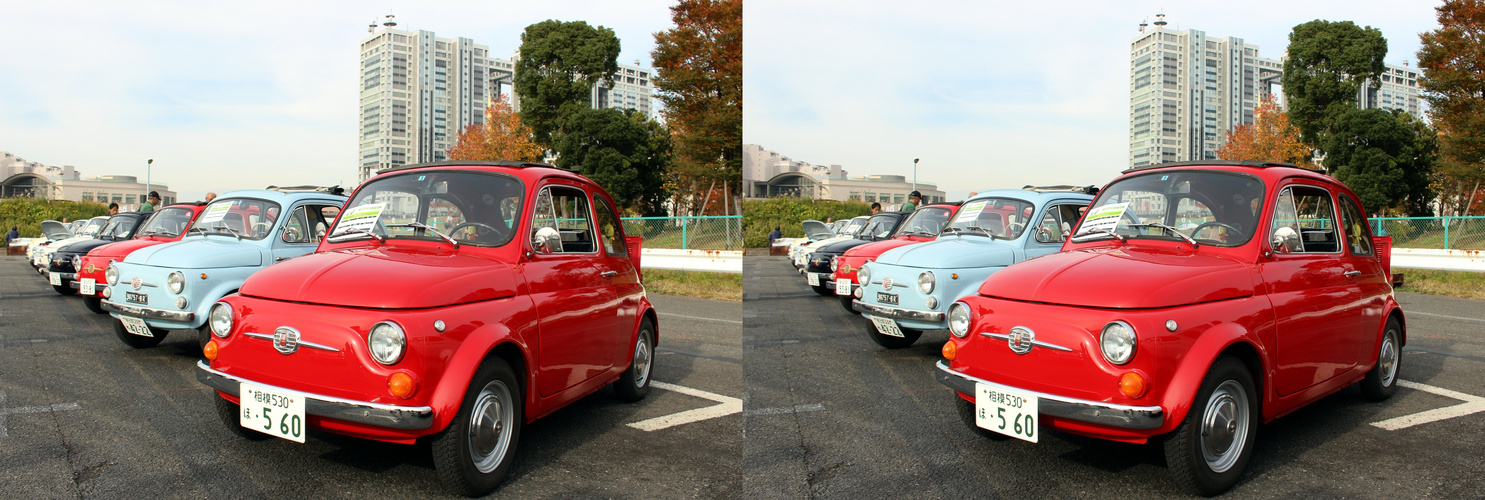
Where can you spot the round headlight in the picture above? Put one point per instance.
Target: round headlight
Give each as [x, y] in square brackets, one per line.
[176, 281]
[932, 302]
[386, 342]
[834, 265]
[77, 263]
[863, 275]
[925, 282]
[220, 319]
[180, 302]
[959, 318]
[1118, 342]
[111, 274]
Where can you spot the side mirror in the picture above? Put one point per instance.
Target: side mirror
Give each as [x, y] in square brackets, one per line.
[547, 240]
[1043, 235]
[1286, 240]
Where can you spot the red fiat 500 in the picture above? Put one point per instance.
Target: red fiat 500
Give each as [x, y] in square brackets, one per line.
[453, 301]
[923, 225]
[1193, 302]
[167, 225]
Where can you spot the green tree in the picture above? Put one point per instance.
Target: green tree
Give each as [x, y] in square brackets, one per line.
[625, 153]
[1328, 64]
[698, 76]
[1387, 157]
[558, 66]
[1452, 59]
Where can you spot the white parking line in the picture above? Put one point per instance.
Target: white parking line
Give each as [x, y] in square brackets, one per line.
[728, 405]
[1472, 404]
[29, 409]
[1444, 316]
[736, 322]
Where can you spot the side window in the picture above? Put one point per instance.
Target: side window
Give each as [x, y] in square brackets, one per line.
[1049, 230]
[296, 229]
[610, 229]
[327, 213]
[565, 209]
[1304, 221]
[1358, 235]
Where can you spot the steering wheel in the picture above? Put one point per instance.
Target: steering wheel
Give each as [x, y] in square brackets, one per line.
[1226, 226]
[500, 234]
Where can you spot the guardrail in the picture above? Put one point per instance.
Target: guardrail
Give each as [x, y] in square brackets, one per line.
[1438, 260]
[715, 261]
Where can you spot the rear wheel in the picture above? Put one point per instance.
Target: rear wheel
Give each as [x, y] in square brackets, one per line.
[229, 413]
[138, 341]
[634, 384]
[967, 414]
[474, 453]
[1210, 449]
[94, 304]
[1381, 382]
[908, 337]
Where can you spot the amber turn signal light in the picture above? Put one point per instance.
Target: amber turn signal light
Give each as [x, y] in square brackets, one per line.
[400, 385]
[951, 350]
[210, 351]
[1132, 385]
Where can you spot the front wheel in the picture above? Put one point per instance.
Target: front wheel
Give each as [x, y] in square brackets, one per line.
[64, 289]
[474, 453]
[94, 304]
[845, 301]
[1381, 382]
[1210, 449]
[891, 342]
[138, 341]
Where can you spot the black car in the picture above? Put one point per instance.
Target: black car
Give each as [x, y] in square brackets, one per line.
[63, 268]
[817, 270]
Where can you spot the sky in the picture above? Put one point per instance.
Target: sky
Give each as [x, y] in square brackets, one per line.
[989, 94]
[233, 95]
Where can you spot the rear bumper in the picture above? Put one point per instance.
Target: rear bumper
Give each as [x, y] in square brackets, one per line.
[360, 412]
[1093, 412]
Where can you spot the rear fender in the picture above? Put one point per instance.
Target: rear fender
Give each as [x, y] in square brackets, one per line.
[1186, 381]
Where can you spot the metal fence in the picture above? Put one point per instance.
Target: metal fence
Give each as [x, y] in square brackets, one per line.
[1447, 233]
[688, 233]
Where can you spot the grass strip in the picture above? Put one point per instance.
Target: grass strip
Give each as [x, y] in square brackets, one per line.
[719, 286]
[1464, 284]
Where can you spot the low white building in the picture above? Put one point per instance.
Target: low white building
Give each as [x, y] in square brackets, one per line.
[35, 180]
[768, 174]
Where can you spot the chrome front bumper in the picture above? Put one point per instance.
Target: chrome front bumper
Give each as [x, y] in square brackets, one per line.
[149, 312]
[361, 412]
[897, 312]
[1093, 412]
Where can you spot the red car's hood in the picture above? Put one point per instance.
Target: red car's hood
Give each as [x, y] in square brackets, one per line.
[386, 277]
[1123, 277]
[122, 249]
[874, 249]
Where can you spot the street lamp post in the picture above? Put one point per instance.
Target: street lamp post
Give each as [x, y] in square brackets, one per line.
[147, 166]
[915, 174]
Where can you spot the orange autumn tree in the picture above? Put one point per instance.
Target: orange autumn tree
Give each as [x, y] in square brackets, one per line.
[502, 137]
[1269, 138]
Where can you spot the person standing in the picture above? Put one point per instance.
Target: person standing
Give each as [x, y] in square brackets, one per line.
[210, 196]
[113, 209]
[149, 206]
[876, 208]
[914, 199]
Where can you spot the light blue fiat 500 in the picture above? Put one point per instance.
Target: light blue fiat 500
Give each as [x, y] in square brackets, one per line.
[907, 290]
[171, 286]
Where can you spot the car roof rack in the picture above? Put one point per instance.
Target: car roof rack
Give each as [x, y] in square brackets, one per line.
[1232, 163]
[465, 163]
[335, 190]
[1093, 190]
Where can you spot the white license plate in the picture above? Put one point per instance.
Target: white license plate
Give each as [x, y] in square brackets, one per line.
[886, 326]
[86, 287]
[136, 326]
[813, 278]
[273, 412]
[1007, 411]
[842, 287]
[55, 279]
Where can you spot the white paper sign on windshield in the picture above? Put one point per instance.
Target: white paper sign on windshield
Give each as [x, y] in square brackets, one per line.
[215, 213]
[970, 211]
[362, 218]
[1103, 218]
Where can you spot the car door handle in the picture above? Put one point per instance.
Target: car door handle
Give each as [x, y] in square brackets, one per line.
[1352, 274]
[609, 274]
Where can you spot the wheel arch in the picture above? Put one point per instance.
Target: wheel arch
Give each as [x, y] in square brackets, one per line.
[1226, 339]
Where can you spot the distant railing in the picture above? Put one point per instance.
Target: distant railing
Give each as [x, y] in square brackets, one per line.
[1447, 233]
[721, 232]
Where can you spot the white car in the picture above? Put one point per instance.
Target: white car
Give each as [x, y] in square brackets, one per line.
[41, 259]
[800, 253]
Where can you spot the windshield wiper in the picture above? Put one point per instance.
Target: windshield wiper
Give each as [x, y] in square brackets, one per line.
[379, 238]
[1096, 232]
[1172, 230]
[229, 229]
[983, 230]
[426, 227]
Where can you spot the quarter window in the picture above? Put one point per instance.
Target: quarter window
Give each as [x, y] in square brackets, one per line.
[609, 228]
[1358, 235]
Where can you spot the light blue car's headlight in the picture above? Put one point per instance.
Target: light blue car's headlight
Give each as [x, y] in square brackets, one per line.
[926, 282]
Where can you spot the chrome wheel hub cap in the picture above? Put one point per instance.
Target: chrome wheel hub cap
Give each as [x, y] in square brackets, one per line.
[1224, 426]
[1387, 359]
[641, 365]
[489, 427]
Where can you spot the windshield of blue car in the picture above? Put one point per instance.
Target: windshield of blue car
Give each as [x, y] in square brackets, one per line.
[244, 218]
[167, 222]
[1211, 207]
[926, 221]
[469, 207]
[119, 227]
[1002, 218]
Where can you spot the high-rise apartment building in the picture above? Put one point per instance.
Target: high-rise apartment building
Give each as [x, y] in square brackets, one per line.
[1188, 89]
[1398, 89]
[418, 91]
[632, 89]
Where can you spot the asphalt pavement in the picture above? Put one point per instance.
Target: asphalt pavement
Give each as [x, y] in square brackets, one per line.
[83, 416]
[830, 414]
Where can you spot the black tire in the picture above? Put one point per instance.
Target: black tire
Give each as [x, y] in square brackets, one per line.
[845, 301]
[498, 396]
[634, 384]
[967, 414]
[1381, 381]
[1199, 459]
[228, 412]
[94, 304]
[908, 337]
[136, 341]
[203, 335]
[64, 289]
[824, 290]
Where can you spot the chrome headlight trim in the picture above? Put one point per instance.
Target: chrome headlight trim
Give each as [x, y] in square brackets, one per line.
[1118, 342]
[76, 263]
[181, 302]
[387, 342]
[176, 282]
[926, 281]
[863, 275]
[111, 274]
[960, 319]
[220, 319]
[834, 265]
